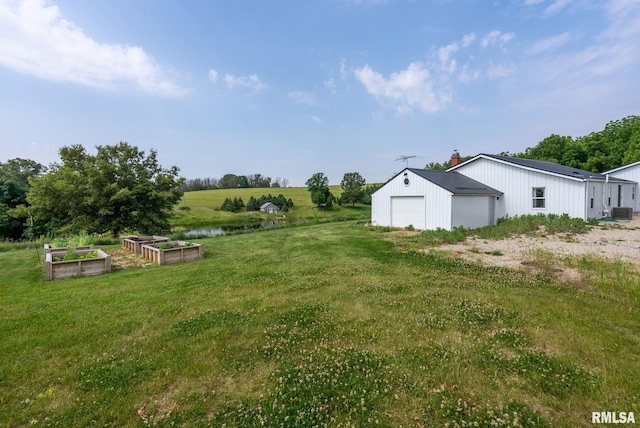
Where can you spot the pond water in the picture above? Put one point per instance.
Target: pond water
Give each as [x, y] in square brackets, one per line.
[211, 231]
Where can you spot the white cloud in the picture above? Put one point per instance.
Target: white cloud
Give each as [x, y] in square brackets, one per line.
[406, 89]
[316, 119]
[213, 75]
[466, 75]
[252, 82]
[302, 98]
[550, 43]
[496, 37]
[468, 39]
[37, 40]
[330, 85]
[444, 54]
[556, 7]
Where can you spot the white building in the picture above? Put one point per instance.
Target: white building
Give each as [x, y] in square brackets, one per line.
[477, 192]
[629, 172]
[433, 199]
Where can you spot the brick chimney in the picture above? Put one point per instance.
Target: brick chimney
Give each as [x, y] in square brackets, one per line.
[455, 158]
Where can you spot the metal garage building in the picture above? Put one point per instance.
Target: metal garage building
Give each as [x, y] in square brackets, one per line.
[428, 199]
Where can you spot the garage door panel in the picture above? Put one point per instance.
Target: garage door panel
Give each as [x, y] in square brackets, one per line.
[408, 210]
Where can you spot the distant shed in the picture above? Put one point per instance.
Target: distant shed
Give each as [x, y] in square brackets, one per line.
[269, 207]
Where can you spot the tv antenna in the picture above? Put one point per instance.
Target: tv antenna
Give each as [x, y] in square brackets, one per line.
[406, 159]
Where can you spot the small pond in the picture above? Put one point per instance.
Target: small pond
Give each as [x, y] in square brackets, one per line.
[203, 232]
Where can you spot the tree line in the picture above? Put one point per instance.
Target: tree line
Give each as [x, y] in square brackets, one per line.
[232, 181]
[354, 190]
[237, 204]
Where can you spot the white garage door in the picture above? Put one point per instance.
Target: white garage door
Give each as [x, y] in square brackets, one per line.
[408, 210]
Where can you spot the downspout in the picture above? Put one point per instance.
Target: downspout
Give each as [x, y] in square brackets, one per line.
[605, 210]
[586, 200]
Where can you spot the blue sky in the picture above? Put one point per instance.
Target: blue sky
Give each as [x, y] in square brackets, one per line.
[287, 88]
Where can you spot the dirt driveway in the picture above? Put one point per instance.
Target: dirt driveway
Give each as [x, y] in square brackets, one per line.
[611, 240]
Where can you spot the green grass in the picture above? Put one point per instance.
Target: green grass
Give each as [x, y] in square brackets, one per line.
[202, 208]
[322, 324]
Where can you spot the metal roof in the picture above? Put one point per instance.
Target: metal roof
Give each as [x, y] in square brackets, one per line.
[550, 167]
[455, 182]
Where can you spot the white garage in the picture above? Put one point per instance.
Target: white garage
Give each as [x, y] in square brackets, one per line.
[426, 199]
[408, 210]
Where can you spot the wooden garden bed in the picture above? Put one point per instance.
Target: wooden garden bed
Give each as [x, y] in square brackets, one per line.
[172, 252]
[135, 243]
[78, 267]
[48, 248]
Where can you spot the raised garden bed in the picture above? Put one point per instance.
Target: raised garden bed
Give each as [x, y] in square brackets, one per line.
[88, 262]
[49, 248]
[135, 243]
[172, 252]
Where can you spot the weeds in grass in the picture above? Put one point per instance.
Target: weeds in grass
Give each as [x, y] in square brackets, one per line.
[441, 236]
[614, 277]
[552, 375]
[458, 412]
[506, 227]
[192, 326]
[541, 260]
[494, 253]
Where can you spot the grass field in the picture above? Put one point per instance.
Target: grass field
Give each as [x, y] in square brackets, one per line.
[320, 324]
[202, 208]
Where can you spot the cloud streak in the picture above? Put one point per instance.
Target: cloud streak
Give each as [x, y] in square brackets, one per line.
[407, 89]
[36, 39]
[251, 82]
[302, 98]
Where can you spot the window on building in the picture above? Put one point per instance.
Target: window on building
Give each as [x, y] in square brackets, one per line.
[633, 193]
[609, 199]
[593, 195]
[538, 197]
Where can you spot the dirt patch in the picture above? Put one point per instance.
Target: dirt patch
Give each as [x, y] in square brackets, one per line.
[122, 258]
[609, 240]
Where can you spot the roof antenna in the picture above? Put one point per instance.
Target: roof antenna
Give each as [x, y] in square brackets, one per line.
[406, 159]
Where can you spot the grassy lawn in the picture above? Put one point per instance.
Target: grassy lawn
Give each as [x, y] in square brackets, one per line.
[321, 324]
[202, 208]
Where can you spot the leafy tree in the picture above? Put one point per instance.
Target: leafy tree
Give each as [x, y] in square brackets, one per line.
[119, 188]
[435, 166]
[352, 185]
[616, 145]
[14, 186]
[257, 180]
[551, 149]
[368, 191]
[318, 186]
[232, 181]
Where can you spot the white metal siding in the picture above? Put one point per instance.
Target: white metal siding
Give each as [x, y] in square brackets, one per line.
[437, 201]
[562, 195]
[472, 211]
[631, 190]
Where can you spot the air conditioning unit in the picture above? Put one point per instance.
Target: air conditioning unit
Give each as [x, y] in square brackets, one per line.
[622, 213]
